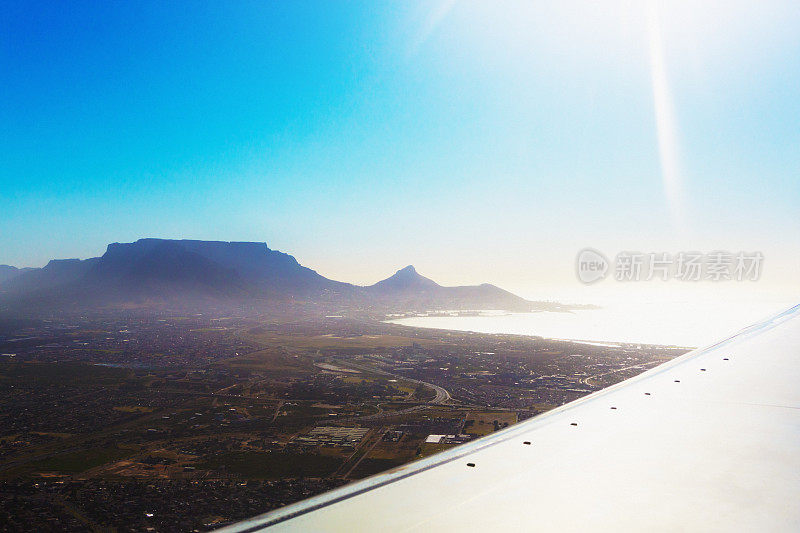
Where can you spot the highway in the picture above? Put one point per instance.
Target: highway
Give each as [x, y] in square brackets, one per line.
[442, 396]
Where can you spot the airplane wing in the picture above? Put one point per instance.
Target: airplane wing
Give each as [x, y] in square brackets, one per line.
[707, 442]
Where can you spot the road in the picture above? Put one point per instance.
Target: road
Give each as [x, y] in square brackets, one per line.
[442, 396]
[585, 380]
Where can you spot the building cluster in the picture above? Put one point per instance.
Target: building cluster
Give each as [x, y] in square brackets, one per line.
[447, 439]
[333, 436]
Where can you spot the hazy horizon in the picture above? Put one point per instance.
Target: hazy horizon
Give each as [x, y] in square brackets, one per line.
[586, 189]
[479, 144]
[570, 290]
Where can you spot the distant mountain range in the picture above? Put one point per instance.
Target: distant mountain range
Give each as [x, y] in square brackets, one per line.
[161, 272]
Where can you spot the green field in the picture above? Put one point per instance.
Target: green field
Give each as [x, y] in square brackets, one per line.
[275, 465]
[62, 373]
[74, 462]
[368, 467]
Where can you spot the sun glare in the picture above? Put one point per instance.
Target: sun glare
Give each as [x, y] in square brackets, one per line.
[664, 118]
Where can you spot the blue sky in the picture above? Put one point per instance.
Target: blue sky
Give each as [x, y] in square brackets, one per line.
[479, 141]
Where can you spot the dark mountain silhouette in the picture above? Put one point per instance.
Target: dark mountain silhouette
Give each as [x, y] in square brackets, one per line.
[7, 272]
[411, 291]
[57, 273]
[159, 269]
[403, 281]
[267, 270]
[190, 272]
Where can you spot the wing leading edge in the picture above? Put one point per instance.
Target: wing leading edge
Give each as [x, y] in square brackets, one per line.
[708, 441]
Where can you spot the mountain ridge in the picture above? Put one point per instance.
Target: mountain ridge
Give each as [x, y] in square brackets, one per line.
[158, 272]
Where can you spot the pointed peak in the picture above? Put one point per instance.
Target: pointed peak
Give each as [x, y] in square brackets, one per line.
[406, 277]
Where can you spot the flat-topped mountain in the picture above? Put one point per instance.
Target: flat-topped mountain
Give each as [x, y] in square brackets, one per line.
[249, 267]
[188, 272]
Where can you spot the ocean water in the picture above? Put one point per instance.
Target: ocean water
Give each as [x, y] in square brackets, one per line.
[680, 323]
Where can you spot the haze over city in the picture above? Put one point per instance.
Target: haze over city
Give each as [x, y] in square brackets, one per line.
[413, 265]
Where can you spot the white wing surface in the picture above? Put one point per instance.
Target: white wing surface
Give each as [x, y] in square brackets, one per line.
[707, 442]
